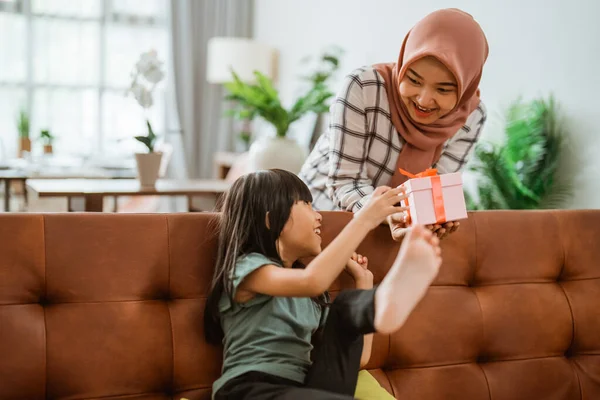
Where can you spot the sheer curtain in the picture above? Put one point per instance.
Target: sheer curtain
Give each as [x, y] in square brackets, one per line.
[199, 104]
[67, 64]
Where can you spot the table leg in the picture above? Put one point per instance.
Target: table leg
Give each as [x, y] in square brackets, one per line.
[6, 195]
[25, 196]
[93, 202]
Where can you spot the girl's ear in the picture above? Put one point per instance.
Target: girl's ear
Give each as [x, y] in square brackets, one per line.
[267, 223]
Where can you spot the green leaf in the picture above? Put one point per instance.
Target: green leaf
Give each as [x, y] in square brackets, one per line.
[151, 134]
[143, 139]
[23, 124]
[267, 86]
[522, 173]
[45, 134]
[149, 140]
[333, 60]
[313, 101]
[470, 202]
[261, 99]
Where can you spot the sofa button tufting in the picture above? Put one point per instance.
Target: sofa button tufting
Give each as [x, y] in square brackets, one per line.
[481, 359]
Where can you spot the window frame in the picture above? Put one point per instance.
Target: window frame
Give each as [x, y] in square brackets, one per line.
[108, 17]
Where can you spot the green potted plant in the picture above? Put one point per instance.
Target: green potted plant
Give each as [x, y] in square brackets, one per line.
[47, 140]
[522, 172]
[23, 125]
[146, 75]
[260, 99]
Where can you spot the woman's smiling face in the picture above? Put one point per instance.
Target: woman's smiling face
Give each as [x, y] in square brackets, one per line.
[428, 90]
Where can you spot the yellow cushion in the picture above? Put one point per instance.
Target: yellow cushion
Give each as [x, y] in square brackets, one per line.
[367, 388]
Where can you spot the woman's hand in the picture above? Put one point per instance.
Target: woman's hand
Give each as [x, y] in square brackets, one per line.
[383, 202]
[400, 222]
[357, 267]
[443, 230]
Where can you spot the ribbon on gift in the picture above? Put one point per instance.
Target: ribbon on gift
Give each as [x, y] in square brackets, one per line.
[436, 191]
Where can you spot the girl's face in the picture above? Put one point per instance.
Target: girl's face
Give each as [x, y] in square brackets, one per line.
[428, 90]
[301, 235]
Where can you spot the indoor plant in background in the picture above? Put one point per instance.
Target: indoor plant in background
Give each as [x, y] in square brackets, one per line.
[23, 129]
[146, 74]
[522, 172]
[47, 140]
[261, 99]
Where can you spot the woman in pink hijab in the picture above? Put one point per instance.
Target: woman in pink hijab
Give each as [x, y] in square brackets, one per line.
[420, 112]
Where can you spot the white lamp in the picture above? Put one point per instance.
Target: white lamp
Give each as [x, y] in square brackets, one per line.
[242, 55]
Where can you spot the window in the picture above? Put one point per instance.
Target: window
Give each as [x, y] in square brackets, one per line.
[68, 64]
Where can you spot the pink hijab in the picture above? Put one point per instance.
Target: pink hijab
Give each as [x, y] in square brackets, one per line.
[457, 41]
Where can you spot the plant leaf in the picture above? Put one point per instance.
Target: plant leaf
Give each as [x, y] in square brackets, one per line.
[146, 141]
[522, 173]
[261, 99]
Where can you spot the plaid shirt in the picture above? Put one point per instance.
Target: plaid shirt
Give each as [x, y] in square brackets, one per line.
[360, 149]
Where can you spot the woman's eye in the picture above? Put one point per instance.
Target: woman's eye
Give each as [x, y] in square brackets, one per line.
[413, 81]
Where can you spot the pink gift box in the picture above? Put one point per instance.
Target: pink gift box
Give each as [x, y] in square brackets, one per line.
[421, 199]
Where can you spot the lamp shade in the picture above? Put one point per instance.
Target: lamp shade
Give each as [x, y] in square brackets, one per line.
[242, 55]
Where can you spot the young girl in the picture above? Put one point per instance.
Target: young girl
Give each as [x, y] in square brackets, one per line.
[264, 306]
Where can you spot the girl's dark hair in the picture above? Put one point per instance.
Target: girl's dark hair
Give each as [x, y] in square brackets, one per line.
[243, 230]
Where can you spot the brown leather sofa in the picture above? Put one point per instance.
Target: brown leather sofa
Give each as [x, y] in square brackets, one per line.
[110, 306]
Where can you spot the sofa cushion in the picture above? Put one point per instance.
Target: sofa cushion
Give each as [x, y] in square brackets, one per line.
[111, 306]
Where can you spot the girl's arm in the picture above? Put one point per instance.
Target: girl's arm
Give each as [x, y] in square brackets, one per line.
[358, 268]
[318, 276]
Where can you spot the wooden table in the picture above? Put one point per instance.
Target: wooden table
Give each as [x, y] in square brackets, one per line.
[7, 177]
[94, 190]
[10, 175]
[223, 161]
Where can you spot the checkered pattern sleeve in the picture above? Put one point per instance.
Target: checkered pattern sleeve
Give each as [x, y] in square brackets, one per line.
[459, 148]
[348, 184]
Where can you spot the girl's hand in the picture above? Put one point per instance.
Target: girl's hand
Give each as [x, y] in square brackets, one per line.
[398, 225]
[357, 267]
[383, 202]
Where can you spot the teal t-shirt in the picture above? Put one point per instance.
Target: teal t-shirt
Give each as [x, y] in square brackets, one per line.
[266, 334]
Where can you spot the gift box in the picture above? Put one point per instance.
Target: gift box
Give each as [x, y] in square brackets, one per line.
[433, 198]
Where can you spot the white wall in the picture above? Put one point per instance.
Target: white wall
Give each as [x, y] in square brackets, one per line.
[536, 47]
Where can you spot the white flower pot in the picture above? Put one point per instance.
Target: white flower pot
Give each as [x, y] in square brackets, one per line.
[276, 152]
[148, 165]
